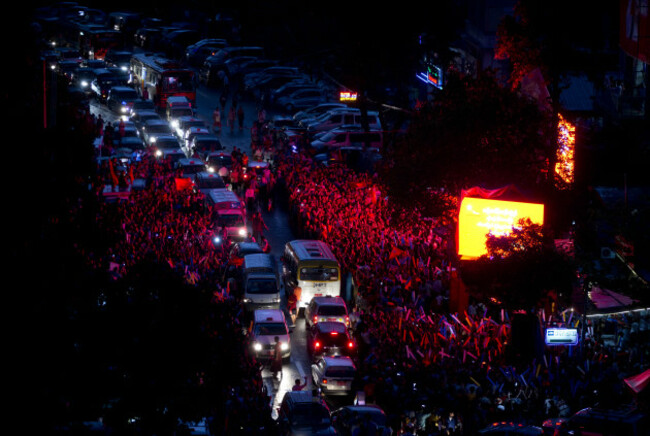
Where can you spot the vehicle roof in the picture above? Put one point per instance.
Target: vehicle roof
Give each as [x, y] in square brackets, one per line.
[269, 315]
[300, 396]
[307, 249]
[361, 408]
[156, 122]
[249, 246]
[329, 300]
[223, 195]
[259, 261]
[207, 137]
[191, 161]
[339, 361]
[122, 88]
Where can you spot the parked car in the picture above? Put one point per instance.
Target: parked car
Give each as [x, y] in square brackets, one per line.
[302, 98]
[317, 110]
[334, 375]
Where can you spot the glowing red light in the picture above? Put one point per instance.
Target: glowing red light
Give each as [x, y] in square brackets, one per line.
[350, 344]
[334, 333]
[317, 344]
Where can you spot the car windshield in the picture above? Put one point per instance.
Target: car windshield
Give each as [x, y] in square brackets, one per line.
[340, 371]
[166, 142]
[182, 112]
[207, 144]
[262, 286]
[319, 274]
[158, 128]
[224, 161]
[210, 183]
[192, 169]
[270, 329]
[331, 310]
[310, 415]
[195, 123]
[231, 220]
[126, 94]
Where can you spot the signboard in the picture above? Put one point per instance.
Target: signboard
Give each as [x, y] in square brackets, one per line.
[432, 76]
[347, 96]
[479, 217]
[560, 336]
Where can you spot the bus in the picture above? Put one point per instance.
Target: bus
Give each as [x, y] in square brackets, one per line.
[94, 41]
[156, 78]
[311, 265]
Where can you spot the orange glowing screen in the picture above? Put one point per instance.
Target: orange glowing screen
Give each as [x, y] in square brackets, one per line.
[480, 216]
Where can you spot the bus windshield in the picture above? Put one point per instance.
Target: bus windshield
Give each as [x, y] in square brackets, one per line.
[178, 82]
[319, 274]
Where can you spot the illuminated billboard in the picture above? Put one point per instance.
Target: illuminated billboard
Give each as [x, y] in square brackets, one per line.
[479, 217]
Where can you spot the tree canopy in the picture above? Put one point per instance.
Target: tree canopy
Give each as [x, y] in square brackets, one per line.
[475, 133]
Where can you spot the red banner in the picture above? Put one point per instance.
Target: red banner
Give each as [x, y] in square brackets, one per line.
[634, 29]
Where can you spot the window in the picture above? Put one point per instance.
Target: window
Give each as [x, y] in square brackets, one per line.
[262, 287]
[270, 329]
[340, 371]
[319, 274]
[331, 310]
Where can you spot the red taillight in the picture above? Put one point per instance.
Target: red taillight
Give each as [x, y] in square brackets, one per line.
[315, 320]
[324, 381]
[317, 344]
[350, 344]
[334, 333]
[347, 320]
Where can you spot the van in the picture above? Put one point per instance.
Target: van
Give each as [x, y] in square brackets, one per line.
[339, 118]
[352, 136]
[260, 282]
[267, 325]
[311, 265]
[229, 212]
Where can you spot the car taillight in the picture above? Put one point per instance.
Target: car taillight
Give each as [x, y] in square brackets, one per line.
[317, 344]
[334, 333]
[350, 344]
[347, 320]
[324, 381]
[315, 320]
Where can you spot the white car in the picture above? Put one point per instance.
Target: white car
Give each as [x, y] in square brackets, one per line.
[334, 375]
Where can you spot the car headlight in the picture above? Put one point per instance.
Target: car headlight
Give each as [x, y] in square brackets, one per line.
[124, 68]
[175, 124]
[152, 139]
[84, 84]
[276, 300]
[217, 240]
[211, 169]
[123, 109]
[246, 300]
[257, 346]
[159, 153]
[284, 346]
[242, 232]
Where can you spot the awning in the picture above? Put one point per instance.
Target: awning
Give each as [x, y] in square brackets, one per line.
[638, 383]
[606, 299]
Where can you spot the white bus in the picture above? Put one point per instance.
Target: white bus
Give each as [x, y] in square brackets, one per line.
[311, 265]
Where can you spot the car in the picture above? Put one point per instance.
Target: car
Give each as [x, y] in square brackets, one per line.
[66, 68]
[334, 375]
[142, 104]
[190, 167]
[94, 63]
[130, 145]
[118, 59]
[301, 413]
[233, 65]
[176, 112]
[139, 117]
[82, 77]
[318, 111]
[348, 136]
[195, 54]
[241, 249]
[200, 145]
[171, 155]
[174, 42]
[302, 98]
[290, 87]
[330, 338]
[212, 65]
[186, 122]
[269, 324]
[104, 80]
[121, 98]
[205, 180]
[219, 161]
[251, 79]
[167, 142]
[326, 308]
[251, 66]
[191, 133]
[154, 128]
[346, 418]
[147, 37]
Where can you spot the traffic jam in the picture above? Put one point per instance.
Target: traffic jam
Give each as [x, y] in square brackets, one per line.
[144, 104]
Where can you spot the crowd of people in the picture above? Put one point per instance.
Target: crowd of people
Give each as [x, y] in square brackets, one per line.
[432, 370]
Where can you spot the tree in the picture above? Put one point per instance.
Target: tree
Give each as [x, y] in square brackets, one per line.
[475, 133]
[521, 269]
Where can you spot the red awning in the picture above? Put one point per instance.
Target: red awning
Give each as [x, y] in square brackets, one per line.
[638, 383]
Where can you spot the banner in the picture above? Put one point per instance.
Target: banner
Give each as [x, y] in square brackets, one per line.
[634, 29]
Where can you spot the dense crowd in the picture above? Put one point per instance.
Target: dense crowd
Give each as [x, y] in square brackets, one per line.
[431, 370]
